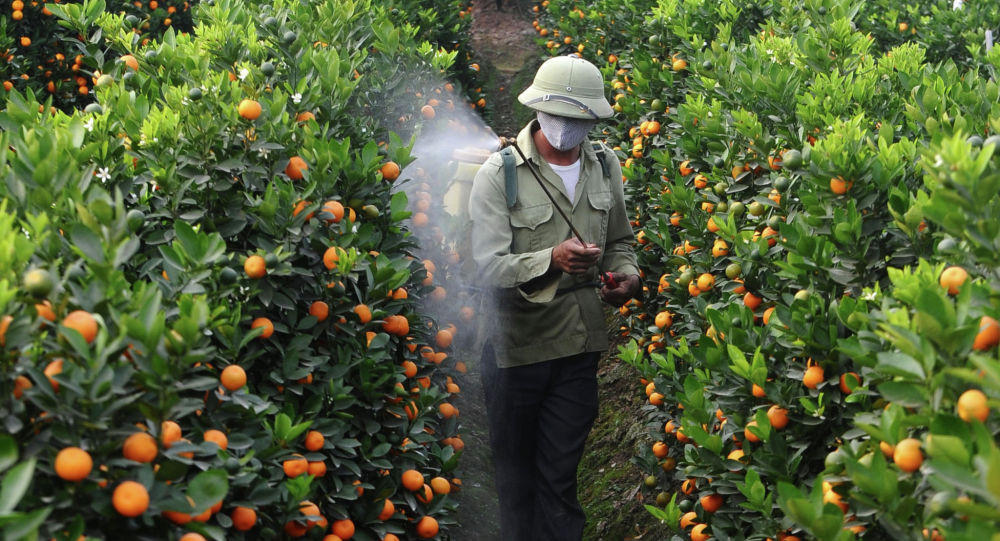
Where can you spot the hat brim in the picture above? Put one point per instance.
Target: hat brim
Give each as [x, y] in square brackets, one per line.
[534, 98]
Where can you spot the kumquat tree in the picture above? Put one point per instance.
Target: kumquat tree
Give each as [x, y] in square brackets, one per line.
[815, 187]
[225, 311]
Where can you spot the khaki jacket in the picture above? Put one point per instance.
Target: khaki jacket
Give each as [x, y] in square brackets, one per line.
[534, 317]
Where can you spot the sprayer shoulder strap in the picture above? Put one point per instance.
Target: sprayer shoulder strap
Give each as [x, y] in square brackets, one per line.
[510, 170]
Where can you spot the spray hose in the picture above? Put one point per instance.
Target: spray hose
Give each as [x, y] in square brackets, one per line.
[607, 280]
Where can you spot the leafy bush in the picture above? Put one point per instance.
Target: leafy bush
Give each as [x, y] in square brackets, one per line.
[208, 286]
[802, 174]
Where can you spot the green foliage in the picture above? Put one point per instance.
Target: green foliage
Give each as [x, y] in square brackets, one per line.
[845, 160]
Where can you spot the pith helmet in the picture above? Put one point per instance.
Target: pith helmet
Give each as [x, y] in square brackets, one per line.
[568, 86]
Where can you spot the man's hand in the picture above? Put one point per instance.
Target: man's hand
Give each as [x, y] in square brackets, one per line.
[628, 286]
[572, 257]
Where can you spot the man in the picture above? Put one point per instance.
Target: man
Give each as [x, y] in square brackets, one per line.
[539, 364]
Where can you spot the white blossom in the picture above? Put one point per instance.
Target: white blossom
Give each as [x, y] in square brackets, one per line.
[263, 152]
[296, 98]
[244, 73]
[103, 174]
[89, 124]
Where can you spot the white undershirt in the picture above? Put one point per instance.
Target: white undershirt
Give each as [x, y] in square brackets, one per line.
[570, 175]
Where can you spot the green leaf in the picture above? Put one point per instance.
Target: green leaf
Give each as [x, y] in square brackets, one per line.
[8, 452]
[26, 525]
[207, 489]
[15, 484]
[899, 364]
[87, 243]
[904, 394]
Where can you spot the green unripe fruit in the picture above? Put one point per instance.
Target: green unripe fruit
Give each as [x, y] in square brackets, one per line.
[38, 283]
[650, 481]
[104, 80]
[756, 208]
[135, 218]
[720, 188]
[194, 94]
[93, 108]
[228, 276]
[289, 37]
[737, 208]
[267, 68]
[733, 271]
[791, 159]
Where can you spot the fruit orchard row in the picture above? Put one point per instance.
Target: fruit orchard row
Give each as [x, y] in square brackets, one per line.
[815, 187]
[210, 318]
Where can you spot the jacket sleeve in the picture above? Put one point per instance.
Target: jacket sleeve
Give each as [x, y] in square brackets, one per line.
[619, 255]
[492, 236]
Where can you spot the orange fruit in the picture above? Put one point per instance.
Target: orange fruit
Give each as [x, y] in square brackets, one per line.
[331, 257]
[51, 369]
[688, 519]
[317, 468]
[363, 312]
[908, 455]
[343, 528]
[767, 315]
[243, 518]
[952, 278]
[233, 377]
[265, 323]
[751, 301]
[447, 410]
[249, 109]
[21, 384]
[660, 449]
[698, 533]
[711, 502]
[663, 319]
[295, 466]
[170, 432]
[757, 391]
[656, 399]
[130, 499]
[972, 405]
[140, 447]
[296, 168]
[390, 171]
[255, 267]
[427, 527]
[299, 207]
[988, 336]
[750, 436]
[131, 62]
[319, 310]
[192, 536]
[849, 381]
[443, 338]
[778, 417]
[304, 116]
[82, 322]
[412, 480]
[314, 440]
[813, 376]
[44, 311]
[218, 437]
[427, 112]
[706, 281]
[335, 209]
[440, 485]
[4, 324]
[388, 509]
[73, 464]
[839, 186]
[688, 486]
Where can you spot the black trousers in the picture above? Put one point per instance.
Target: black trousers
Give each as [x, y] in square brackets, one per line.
[539, 418]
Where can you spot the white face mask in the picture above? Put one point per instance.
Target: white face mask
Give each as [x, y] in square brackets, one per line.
[564, 133]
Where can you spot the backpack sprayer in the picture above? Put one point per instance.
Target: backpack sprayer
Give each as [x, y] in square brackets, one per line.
[467, 163]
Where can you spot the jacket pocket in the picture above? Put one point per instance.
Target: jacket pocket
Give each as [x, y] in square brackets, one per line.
[600, 204]
[526, 226]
